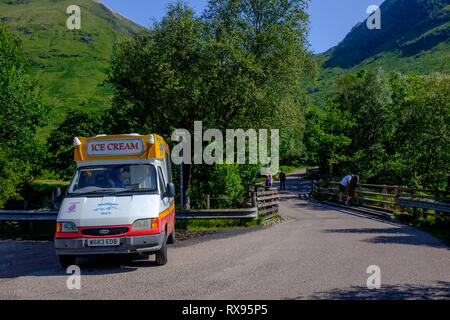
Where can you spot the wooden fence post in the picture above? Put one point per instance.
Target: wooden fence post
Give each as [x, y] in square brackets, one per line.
[385, 205]
[322, 195]
[437, 199]
[330, 192]
[396, 206]
[360, 197]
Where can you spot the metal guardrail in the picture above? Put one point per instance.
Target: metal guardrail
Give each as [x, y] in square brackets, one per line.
[28, 215]
[36, 215]
[425, 204]
[250, 213]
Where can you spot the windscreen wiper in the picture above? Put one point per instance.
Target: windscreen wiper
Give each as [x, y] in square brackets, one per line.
[133, 191]
[108, 191]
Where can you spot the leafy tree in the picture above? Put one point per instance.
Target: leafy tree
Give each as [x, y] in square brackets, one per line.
[225, 183]
[21, 113]
[327, 136]
[158, 78]
[223, 69]
[420, 141]
[60, 142]
[367, 98]
[266, 41]
[399, 132]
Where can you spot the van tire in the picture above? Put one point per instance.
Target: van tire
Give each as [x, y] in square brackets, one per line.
[171, 239]
[66, 261]
[161, 254]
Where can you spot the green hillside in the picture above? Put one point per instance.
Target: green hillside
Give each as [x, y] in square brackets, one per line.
[70, 65]
[414, 39]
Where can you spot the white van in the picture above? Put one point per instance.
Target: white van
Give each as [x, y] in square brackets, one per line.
[120, 199]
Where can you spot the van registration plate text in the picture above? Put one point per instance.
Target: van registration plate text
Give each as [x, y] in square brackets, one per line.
[105, 242]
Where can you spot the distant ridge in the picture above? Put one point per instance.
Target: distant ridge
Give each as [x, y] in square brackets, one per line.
[117, 14]
[406, 25]
[414, 39]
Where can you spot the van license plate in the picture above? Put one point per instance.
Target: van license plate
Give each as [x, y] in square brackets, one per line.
[105, 242]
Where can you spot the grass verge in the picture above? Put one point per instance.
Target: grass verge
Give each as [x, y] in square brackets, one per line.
[215, 224]
[38, 230]
[439, 228]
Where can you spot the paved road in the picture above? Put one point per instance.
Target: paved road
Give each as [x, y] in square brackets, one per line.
[318, 252]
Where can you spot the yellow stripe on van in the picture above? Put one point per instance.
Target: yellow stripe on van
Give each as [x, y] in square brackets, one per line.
[167, 211]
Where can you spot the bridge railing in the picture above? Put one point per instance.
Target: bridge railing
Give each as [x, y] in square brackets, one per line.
[266, 199]
[260, 198]
[391, 198]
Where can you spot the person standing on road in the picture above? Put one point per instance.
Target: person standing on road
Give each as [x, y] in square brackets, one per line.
[270, 180]
[282, 180]
[352, 184]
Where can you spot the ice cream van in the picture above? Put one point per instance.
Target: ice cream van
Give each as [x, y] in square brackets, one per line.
[120, 199]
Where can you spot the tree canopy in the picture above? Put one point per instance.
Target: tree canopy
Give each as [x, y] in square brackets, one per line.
[21, 113]
[225, 69]
[394, 128]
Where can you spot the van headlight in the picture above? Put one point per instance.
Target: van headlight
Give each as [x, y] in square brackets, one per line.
[142, 224]
[66, 227]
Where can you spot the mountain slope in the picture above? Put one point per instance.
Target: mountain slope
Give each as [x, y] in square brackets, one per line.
[406, 25]
[414, 38]
[70, 65]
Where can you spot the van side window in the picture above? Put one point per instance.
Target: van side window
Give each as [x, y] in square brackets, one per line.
[162, 183]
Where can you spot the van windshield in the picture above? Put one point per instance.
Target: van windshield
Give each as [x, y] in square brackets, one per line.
[114, 178]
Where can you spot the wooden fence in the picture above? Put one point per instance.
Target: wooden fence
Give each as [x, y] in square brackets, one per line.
[392, 198]
[266, 199]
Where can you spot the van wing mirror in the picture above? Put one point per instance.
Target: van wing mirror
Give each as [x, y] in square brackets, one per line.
[170, 193]
[56, 197]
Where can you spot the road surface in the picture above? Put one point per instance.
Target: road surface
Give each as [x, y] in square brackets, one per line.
[318, 252]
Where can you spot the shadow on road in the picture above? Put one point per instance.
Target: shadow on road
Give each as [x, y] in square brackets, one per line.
[397, 235]
[395, 232]
[295, 185]
[36, 258]
[440, 290]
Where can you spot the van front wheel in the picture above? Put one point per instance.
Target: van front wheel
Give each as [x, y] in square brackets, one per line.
[161, 254]
[171, 239]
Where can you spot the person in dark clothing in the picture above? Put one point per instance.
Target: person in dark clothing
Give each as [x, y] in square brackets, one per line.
[282, 180]
[117, 178]
[352, 184]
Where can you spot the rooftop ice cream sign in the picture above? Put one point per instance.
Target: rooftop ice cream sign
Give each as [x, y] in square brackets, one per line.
[115, 147]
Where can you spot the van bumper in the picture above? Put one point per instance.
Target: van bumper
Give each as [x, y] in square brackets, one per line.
[136, 244]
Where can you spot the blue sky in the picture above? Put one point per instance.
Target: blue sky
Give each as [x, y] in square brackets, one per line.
[330, 20]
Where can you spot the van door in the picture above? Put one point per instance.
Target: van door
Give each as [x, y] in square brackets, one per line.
[165, 201]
